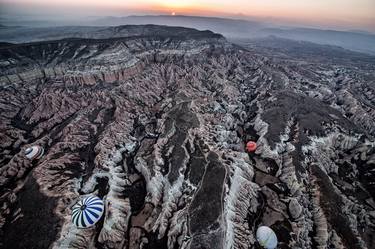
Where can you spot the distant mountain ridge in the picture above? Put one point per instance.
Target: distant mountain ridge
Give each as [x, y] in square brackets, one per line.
[123, 31]
[361, 42]
[226, 26]
[231, 28]
[239, 28]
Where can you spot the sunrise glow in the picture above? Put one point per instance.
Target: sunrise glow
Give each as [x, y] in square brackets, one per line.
[359, 13]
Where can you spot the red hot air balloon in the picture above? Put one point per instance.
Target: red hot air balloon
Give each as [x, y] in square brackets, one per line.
[251, 146]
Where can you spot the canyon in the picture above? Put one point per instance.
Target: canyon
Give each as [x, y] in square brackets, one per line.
[155, 119]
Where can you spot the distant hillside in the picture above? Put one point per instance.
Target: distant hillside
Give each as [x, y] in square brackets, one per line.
[58, 33]
[226, 26]
[291, 50]
[230, 28]
[362, 42]
[237, 28]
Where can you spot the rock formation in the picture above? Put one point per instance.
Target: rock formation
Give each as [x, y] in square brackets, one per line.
[155, 122]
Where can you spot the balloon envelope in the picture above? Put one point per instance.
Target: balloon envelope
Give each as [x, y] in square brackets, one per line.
[87, 211]
[34, 152]
[251, 146]
[266, 237]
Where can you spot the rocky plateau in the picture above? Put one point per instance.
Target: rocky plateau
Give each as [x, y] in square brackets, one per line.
[154, 120]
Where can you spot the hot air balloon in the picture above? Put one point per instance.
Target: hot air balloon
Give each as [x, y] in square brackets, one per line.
[34, 152]
[251, 146]
[87, 211]
[266, 237]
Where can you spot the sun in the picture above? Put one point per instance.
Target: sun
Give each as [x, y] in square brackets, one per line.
[173, 13]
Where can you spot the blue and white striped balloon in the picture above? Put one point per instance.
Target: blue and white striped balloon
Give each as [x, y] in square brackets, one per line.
[87, 211]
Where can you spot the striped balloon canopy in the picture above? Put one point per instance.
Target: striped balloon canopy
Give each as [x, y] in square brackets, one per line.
[87, 211]
[34, 152]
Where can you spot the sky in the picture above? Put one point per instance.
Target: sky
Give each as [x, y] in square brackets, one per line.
[344, 14]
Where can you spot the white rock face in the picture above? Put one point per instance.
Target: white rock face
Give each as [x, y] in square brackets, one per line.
[295, 208]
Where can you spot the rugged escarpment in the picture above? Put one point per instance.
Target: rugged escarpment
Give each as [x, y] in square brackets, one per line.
[155, 124]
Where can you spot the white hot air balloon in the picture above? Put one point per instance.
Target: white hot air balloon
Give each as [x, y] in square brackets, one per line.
[87, 212]
[266, 237]
[34, 152]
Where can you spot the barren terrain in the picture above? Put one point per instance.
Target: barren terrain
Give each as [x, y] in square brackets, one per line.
[155, 122]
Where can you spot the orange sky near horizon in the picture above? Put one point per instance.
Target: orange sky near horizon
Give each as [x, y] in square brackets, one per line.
[331, 12]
